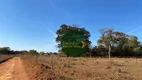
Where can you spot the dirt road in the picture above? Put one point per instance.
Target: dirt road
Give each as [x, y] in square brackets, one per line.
[13, 69]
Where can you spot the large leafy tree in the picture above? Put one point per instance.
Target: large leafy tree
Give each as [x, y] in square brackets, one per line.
[119, 43]
[107, 39]
[64, 29]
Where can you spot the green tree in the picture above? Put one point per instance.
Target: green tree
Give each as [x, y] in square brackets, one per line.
[5, 50]
[99, 51]
[119, 43]
[132, 46]
[107, 39]
[64, 34]
[33, 52]
[42, 53]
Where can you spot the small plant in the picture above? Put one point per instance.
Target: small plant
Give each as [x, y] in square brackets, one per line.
[67, 65]
[73, 64]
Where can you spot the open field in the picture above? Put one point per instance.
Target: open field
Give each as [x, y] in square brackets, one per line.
[29, 67]
[66, 68]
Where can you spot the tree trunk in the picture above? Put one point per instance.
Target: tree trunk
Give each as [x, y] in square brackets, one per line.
[109, 52]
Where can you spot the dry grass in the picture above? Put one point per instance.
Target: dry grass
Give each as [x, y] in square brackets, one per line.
[4, 57]
[66, 68]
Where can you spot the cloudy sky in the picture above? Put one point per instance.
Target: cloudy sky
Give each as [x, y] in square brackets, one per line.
[31, 24]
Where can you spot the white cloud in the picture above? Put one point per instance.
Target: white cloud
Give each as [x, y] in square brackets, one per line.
[53, 33]
[53, 5]
[51, 45]
[59, 11]
[54, 44]
[134, 30]
[137, 31]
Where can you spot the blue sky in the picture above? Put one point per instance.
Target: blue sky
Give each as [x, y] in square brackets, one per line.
[31, 24]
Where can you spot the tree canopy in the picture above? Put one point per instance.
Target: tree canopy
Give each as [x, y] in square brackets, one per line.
[121, 44]
[73, 36]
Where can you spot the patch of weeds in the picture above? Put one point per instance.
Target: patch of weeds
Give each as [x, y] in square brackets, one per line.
[122, 71]
[107, 67]
[126, 61]
[63, 78]
[73, 64]
[67, 65]
[88, 74]
[74, 59]
[97, 62]
[112, 63]
[82, 63]
[66, 71]
[45, 66]
[118, 65]
[73, 73]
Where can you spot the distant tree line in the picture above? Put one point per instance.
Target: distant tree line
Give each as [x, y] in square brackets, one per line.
[8, 51]
[121, 44]
[111, 43]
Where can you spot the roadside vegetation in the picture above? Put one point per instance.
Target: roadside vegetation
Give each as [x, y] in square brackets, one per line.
[54, 67]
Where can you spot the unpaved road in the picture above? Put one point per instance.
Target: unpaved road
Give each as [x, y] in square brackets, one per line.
[13, 69]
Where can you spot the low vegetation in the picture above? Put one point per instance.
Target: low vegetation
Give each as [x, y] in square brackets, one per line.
[54, 67]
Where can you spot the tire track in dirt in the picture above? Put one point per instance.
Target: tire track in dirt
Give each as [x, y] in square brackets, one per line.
[13, 69]
[6, 72]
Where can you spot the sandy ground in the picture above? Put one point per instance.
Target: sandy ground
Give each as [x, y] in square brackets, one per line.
[13, 69]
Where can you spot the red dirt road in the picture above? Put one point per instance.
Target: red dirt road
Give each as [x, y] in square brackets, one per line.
[13, 69]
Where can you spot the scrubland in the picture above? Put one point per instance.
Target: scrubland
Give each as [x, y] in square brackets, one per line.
[68, 68]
